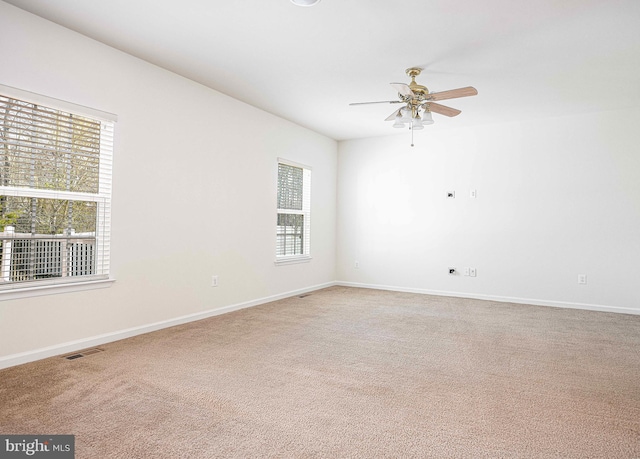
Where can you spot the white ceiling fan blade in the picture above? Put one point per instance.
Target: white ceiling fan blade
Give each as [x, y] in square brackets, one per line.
[393, 115]
[381, 102]
[403, 89]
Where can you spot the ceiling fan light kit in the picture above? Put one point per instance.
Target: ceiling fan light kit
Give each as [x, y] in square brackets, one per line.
[427, 117]
[419, 103]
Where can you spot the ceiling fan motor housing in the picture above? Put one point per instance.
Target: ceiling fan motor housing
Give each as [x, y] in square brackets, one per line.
[420, 91]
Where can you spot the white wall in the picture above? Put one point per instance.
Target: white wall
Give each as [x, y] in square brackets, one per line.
[555, 198]
[194, 192]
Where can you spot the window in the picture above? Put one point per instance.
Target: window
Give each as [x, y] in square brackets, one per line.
[55, 193]
[294, 212]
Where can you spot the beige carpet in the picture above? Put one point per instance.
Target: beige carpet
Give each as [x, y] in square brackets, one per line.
[347, 373]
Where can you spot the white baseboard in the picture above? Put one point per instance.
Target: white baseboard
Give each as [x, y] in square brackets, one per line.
[74, 346]
[502, 299]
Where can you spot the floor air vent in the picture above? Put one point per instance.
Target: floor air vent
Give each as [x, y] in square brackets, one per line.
[77, 355]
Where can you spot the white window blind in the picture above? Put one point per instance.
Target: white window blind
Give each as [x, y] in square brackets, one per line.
[55, 193]
[293, 224]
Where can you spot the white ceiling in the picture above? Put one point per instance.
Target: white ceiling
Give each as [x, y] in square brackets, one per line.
[528, 59]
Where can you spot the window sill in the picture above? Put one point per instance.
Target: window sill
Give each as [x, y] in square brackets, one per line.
[53, 289]
[292, 260]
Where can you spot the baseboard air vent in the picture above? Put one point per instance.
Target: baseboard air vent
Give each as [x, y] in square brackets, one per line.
[77, 355]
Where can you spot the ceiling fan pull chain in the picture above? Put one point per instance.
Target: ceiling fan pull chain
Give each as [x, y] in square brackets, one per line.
[411, 129]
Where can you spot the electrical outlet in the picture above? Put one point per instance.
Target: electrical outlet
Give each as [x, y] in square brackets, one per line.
[473, 194]
[356, 264]
[466, 271]
[214, 281]
[582, 278]
[472, 272]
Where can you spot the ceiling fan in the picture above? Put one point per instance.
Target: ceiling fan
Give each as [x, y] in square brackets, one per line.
[419, 103]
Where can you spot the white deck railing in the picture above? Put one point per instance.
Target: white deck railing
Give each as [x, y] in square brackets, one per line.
[27, 257]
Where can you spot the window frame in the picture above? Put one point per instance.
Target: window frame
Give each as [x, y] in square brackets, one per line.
[306, 212]
[102, 198]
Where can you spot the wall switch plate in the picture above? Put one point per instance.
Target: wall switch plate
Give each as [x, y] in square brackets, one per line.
[451, 194]
[472, 272]
[582, 278]
[214, 281]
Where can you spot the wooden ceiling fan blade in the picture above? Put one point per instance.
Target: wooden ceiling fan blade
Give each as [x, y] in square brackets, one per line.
[453, 93]
[442, 109]
[403, 89]
[380, 102]
[393, 115]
